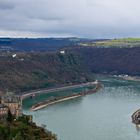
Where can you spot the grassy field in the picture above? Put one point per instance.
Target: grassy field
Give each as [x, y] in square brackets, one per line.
[119, 43]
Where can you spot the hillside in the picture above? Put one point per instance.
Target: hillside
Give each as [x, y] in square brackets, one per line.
[30, 71]
[22, 129]
[39, 44]
[110, 60]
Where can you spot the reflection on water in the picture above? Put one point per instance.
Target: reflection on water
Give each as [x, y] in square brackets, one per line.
[102, 116]
[138, 128]
[30, 101]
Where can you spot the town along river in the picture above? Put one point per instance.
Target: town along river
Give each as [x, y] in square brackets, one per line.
[105, 115]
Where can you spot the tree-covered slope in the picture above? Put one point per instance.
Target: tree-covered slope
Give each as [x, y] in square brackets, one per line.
[28, 71]
[110, 60]
[38, 44]
[22, 129]
[36, 70]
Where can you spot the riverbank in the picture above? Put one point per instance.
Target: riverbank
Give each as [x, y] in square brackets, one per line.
[46, 103]
[121, 76]
[50, 102]
[45, 91]
[92, 113]
[128, 77]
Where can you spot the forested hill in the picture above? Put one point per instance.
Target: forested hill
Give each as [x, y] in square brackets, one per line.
[39, 44]
[110, 60]
[54, 44]
[30, 71]
[34, 69]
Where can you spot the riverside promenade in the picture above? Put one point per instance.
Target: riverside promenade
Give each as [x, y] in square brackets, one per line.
[45, 91]
[46, 103]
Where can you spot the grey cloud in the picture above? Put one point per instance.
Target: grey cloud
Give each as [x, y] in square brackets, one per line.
[88, 18]
[46, 18]
[6, 4]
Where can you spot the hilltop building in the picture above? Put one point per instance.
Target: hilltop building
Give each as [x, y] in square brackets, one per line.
[3, 111]
[62, 52]
[12, 103]
[14, 55]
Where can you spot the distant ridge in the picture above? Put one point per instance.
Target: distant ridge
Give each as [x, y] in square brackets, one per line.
[40, 44]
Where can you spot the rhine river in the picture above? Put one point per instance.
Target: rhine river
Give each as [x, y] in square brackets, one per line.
[105, 115]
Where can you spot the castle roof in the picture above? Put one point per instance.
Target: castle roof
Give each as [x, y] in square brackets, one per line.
[10, 99]
[3, 106]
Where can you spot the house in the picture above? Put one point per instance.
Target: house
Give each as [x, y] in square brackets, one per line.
[14, 55]
[62, 52]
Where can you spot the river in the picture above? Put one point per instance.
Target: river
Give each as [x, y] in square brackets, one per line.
[105, 115]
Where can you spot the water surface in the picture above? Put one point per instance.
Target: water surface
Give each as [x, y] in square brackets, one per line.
[105, 115]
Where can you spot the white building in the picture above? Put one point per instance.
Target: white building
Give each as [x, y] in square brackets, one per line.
[62, 52]
[14, 55]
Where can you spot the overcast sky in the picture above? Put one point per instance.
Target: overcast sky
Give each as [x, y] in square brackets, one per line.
[80, 18]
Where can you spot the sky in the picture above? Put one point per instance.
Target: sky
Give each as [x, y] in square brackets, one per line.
[70, 18]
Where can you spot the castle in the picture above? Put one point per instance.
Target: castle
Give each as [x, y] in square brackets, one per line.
[10, 102]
